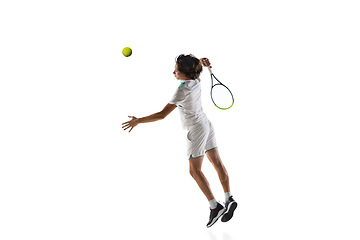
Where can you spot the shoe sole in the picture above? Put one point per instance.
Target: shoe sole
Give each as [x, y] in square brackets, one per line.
[221, 212]
[230, 213]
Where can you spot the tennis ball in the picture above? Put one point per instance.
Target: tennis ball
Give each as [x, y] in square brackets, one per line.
[127, 52]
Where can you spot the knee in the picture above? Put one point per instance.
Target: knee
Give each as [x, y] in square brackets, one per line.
[195, 172]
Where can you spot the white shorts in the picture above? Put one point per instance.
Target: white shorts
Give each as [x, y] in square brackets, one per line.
[200, 139]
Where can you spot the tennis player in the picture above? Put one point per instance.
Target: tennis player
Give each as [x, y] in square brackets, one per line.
[200, 133]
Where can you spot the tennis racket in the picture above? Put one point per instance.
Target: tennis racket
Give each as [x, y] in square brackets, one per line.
[220, 94]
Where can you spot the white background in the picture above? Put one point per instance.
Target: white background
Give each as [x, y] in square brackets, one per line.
[290, 143]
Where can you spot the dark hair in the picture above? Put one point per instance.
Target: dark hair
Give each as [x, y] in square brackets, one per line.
[189, 65]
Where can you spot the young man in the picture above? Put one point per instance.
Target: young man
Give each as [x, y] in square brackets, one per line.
[201, 136]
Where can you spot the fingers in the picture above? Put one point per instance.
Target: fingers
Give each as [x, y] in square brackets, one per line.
[127, 125]
[205, 62]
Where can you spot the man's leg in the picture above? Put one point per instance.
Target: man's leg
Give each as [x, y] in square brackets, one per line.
[230, 203]
[214, 158]
[217, 210]
[199, 177]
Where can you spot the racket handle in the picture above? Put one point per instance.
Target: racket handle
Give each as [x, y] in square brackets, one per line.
[210, 70]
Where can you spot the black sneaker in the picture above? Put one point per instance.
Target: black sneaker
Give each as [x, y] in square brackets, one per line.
[230, 206]
[215, 214]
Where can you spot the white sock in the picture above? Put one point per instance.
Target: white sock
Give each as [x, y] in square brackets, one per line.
[213, 203]
[227, 196]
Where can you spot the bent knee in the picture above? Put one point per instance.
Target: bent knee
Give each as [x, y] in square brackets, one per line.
[194, 172]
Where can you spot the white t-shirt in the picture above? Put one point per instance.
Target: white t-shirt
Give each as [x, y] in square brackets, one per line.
[188, 99]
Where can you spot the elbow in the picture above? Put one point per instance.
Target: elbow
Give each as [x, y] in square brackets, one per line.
[161, 116]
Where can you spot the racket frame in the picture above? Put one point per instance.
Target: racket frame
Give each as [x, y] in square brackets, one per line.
[220, 83]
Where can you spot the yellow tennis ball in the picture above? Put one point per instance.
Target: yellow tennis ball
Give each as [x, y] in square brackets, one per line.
[127, 52]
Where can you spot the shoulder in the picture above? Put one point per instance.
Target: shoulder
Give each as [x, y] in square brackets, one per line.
[194, 84]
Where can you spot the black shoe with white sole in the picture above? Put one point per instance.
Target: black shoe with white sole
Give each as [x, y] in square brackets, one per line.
[230, 207]
[215, 214]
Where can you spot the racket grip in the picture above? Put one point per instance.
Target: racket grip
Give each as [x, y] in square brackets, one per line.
[209, 70]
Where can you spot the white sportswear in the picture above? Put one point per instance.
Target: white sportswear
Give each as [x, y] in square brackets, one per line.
[201, 134]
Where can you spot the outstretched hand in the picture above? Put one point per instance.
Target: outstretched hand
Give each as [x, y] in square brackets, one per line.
[205, 62]
[130, 124]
